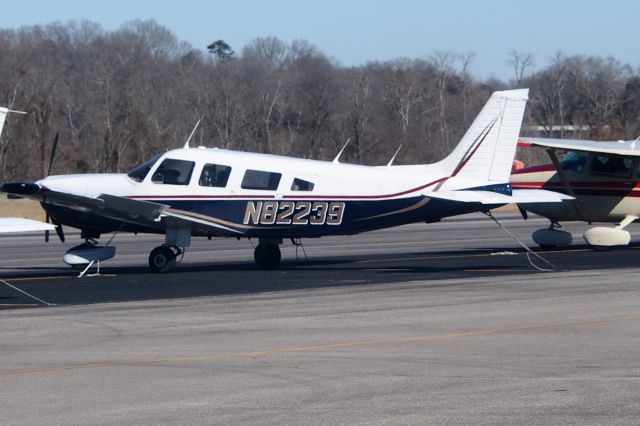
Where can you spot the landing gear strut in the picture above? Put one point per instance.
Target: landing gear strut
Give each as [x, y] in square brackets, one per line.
[267, 254]
[163, 258]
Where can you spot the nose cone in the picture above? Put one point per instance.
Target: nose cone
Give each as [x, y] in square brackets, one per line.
[89, 185]
[20, 188]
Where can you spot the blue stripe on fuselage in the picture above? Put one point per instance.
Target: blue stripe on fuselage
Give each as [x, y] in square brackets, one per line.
[357, 216]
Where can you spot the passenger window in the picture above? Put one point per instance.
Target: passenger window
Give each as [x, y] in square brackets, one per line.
[214, 175]
[301, 185]
[173, 172]
[256, 179]
[611, 166]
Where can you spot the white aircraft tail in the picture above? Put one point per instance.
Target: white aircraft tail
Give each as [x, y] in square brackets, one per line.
[486, 151]
[3, 116]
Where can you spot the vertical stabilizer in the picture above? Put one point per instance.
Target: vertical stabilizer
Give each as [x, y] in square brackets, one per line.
[3, 115]
[486, 151]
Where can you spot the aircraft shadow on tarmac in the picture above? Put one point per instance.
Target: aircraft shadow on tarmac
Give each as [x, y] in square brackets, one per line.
[506, 258]
[135, 283]
[418, 261]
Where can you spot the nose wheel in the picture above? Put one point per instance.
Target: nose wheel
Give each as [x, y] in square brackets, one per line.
[163, 258]
[267, 255]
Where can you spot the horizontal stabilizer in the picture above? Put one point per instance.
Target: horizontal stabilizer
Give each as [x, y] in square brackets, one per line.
[18, 225]
[520, 196]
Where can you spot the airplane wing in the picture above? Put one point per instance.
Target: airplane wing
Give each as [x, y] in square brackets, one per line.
[127, 210]
[519, 196]
[18, 225]
[624, 148]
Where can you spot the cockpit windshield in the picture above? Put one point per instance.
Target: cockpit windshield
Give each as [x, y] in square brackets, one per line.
[139, 172]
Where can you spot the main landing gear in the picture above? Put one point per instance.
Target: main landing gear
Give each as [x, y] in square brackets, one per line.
[163, 258]
[267, 254]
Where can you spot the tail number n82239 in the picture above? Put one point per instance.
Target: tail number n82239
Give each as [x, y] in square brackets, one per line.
[294, 213]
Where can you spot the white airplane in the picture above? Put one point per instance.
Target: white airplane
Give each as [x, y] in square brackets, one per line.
[603, 178]
[16, 225]
[213, 192]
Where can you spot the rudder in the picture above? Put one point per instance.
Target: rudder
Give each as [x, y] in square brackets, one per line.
[487, 149]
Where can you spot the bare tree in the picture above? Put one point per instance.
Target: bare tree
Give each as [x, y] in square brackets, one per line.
[444, 64]
[466, 81]
[520, 62]
[118, 97]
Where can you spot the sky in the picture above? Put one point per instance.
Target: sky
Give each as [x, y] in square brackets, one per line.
[354, 32]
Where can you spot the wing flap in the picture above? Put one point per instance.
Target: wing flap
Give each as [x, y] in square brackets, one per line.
[188, 218]
[520, 196]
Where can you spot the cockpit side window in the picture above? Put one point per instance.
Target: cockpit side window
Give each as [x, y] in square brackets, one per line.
[575, 161]
[611, 165]
[139, 172]
[301, 185]
[257, 179]
[214, 175]
[173, 172]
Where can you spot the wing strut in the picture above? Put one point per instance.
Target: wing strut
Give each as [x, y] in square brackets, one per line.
[567, 185]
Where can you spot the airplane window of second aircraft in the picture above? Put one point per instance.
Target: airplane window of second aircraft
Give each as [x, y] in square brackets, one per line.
[611, 166]
[575, 161]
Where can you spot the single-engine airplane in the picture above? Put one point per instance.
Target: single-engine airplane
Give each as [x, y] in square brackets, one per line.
[603, 178]
[214, 192]
[13, 225]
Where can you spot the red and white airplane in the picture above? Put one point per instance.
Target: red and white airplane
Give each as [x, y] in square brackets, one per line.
[603, 178]
[213, 192]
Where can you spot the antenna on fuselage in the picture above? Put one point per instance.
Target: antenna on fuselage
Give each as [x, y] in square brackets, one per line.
[186, 145]
[394, 156]
[335, 160]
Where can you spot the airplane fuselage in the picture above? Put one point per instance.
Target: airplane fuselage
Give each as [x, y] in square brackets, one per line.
[265, 196]
[213, 192]
[605, 194]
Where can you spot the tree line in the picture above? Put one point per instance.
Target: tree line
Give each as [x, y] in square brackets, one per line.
[118, 97]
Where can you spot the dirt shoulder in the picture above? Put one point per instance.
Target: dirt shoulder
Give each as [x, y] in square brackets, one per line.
[21, 208]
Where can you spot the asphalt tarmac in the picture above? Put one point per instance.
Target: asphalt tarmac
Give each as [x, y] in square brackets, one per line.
[445, 323]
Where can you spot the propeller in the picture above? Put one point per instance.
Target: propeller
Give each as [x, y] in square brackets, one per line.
[49, 219]
[53, 153]
[523, 212]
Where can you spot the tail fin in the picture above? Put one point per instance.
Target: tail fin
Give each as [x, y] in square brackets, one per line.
[3, 115]
[487, 150]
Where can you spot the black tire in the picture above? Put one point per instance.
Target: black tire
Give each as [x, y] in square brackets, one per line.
[267, 256]
[162, 259]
